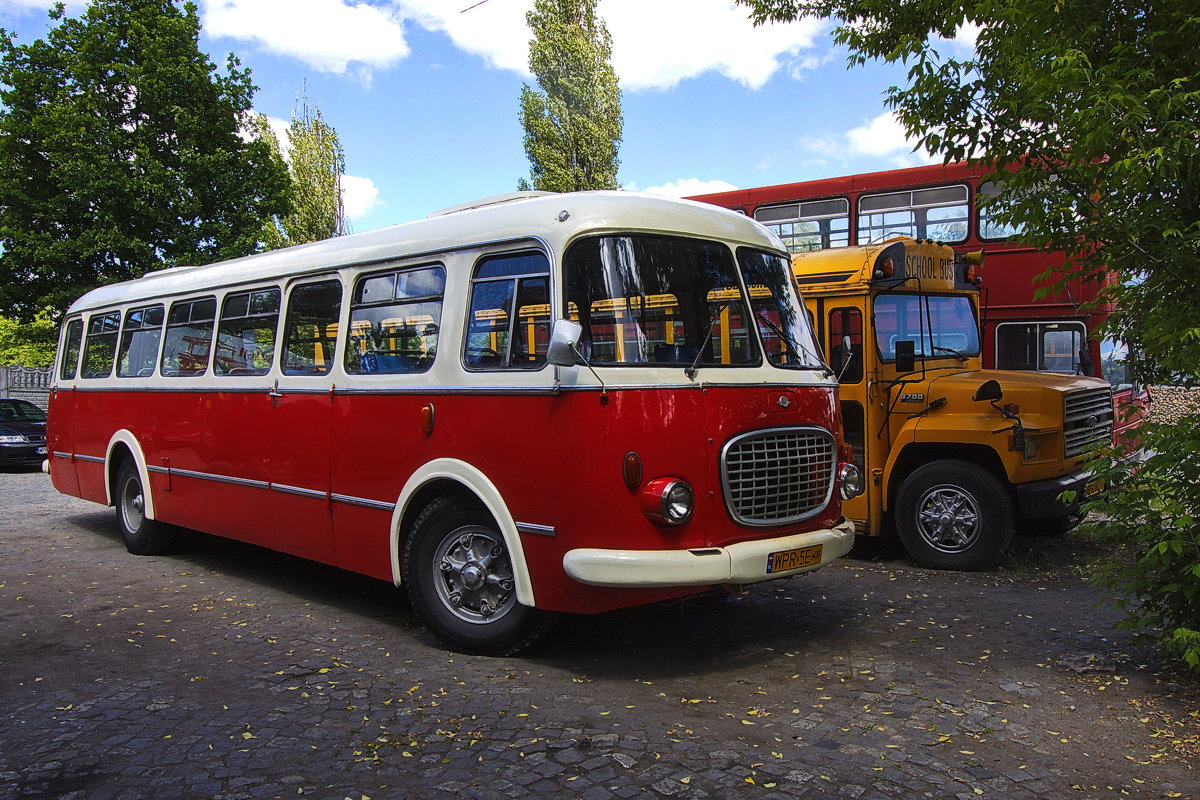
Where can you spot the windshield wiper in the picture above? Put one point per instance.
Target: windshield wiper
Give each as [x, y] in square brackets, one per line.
[712, 323]
[816, 361]
[951, 351]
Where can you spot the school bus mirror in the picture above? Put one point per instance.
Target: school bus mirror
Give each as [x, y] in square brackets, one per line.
[906, 356]
[988, 391]
[564, 343]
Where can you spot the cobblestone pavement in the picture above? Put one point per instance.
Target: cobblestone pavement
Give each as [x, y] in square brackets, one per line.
[225, 671]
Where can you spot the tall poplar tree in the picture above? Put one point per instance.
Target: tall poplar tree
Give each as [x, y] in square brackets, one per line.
[120, 153]
[315, 162]
[573, 122]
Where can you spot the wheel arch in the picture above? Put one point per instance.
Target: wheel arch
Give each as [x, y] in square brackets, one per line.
[452, 476]
[124, 445]
[917, 455]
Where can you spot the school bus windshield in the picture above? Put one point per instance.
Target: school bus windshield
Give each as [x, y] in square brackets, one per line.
[940, 326]
[645, 299]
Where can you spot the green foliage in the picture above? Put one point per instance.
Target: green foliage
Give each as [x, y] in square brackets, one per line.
[1156, 517]
[315, 163]
[573, 123]
[1087, 111]
[30, 344]
[120, 153]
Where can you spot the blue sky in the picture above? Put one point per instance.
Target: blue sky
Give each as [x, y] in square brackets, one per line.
[424, 93]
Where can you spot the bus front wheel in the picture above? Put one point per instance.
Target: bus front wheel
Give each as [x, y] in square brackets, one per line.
[460, 582]
[954, 514]
[142, 536]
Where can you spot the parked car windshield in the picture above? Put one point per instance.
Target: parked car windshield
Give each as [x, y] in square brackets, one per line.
[21, 410]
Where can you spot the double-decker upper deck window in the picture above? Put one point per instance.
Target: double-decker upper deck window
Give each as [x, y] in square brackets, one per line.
[139, 342]
[72, 343]
[812, 225]
[101, 347]
[938, 213]
[646, 299]
[508, 324]
[394, 321]
[189, 337]
[246, 334]
[989, 226]
[312, 321]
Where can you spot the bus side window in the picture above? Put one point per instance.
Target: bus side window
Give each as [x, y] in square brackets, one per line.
[509, 318]
[101, 347]
[846, 323]
[395, 319]
[311, 332]
[246, 334]
[139, 342]
[188, 339]
[72, 342]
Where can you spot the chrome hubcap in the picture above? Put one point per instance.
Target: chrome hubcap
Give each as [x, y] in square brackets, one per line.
[133, 505]
[473, 575]
[948, 519]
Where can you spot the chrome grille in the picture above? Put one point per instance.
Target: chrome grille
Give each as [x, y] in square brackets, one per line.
[1087, 419]
[778, 475]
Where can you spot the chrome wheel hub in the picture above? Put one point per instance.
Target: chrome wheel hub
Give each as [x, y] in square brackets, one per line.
[948, 519]
[473, 575]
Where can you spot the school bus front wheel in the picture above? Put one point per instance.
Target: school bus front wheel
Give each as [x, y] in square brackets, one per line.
[954, 514]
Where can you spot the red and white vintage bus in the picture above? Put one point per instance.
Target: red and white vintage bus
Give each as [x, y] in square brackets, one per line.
[941, 203]
[535, 404]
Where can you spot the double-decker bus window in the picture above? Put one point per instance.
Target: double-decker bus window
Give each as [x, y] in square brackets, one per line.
[394, 321]
[311, 331]
[101, 347]
[72, 343]
[939, 213]
[657, 299]
[813, 225]
[188, 338]
[139, 342]
[246, 333]
[845, 325]
[508, 322]
[1044, 346]
[989, 227]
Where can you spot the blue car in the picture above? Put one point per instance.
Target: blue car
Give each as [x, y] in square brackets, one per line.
[22, 434]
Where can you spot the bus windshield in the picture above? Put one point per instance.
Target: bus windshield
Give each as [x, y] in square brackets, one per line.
[940, 326]
[645, 299]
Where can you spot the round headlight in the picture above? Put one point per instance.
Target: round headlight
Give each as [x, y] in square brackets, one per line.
[668, 501]
[850, 482]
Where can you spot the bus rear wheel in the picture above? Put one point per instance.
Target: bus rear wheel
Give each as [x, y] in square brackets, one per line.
[954, 514]
[142, 536]
[461, 584]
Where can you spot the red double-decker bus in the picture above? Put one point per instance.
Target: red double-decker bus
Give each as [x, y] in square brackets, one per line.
[1021, 331]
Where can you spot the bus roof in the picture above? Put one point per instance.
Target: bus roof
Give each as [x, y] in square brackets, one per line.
[844, 269]
[554, 219]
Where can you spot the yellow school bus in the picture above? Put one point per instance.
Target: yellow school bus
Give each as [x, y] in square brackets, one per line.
[954, 456]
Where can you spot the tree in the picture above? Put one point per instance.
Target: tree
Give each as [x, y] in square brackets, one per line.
[1088, 110]
[315, 163]
[120, 153]
[573, 123]
[29, 344]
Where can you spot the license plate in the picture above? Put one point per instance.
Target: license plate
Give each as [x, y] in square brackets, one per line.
[784, 560]
[41, 451]
[1093, 488]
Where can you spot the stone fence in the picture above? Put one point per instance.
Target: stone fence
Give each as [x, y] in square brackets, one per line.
[26, 383]
[1169, 403]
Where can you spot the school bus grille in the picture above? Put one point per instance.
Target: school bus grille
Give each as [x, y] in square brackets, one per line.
[779, 475]
[1087, 419]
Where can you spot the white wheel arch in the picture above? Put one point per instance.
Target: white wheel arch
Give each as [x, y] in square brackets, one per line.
[139, 461]
[474, 481]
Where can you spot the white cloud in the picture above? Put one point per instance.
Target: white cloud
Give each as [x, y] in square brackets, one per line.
[360, 196]
[685, 187]
[655, 45]
[884, 137]
[327, 35]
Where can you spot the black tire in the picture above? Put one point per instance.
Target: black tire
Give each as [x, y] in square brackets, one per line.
[142, 536]
[954, 514]
[460, 582]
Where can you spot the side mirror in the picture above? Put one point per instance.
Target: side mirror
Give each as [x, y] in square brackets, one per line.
[988, 391]
[906, 356]
[564, 343]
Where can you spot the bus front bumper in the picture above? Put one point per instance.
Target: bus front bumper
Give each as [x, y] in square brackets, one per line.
[1040, 499]
[744, 562]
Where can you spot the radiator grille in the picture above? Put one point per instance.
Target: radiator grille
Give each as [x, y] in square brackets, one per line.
[1087, 419]
[779, 475]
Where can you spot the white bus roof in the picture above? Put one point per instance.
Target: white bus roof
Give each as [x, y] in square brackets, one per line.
[552, 218]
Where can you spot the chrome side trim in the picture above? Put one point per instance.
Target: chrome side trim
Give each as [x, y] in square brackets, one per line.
[60, 454]
[296, 490]
[537, 530]
[362, 502]
[93, 459]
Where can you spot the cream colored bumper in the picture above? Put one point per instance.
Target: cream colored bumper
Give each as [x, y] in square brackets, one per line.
[745, 562]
